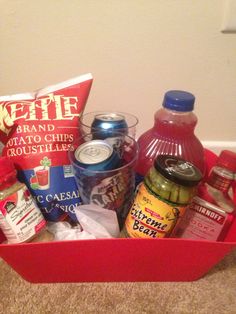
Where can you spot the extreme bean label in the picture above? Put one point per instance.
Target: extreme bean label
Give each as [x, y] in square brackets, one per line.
[150, 216]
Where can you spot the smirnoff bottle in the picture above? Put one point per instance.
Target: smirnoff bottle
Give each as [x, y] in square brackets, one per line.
[212, 211]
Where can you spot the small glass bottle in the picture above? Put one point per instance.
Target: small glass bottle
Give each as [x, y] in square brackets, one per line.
[162, 198]
[20, 218]
[171, 134]
[211, 213]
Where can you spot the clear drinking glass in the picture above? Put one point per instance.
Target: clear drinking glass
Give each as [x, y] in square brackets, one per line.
[113, 188]
[110, 120]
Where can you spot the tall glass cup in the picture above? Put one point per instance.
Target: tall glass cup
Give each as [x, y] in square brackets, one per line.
[103, 121]
[110, 183]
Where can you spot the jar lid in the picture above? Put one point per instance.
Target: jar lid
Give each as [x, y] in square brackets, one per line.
[179, 100]
[6, 166]
[227, 159]
[178, 170]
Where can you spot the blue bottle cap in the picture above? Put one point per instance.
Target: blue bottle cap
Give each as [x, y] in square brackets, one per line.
[178, 100]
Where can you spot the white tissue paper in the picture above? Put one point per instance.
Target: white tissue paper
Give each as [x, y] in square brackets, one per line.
[64, 231]
[96, 222]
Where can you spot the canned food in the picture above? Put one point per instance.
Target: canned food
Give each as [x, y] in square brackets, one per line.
[105, 124]
[96, 155]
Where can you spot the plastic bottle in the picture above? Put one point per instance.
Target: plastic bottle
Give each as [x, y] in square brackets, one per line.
[20, 218]
[212, 210]
[172, 134]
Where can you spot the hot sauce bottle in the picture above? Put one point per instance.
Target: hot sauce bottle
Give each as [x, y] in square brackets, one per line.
[212, 211]
[20, 218]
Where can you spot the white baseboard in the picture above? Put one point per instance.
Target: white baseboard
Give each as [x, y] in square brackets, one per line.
[218, 146]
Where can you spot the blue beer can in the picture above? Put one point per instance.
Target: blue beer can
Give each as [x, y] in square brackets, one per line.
[105, 124]
[97, 155]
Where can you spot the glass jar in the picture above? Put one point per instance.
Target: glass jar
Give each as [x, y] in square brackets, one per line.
[20, 218]
[162, 198]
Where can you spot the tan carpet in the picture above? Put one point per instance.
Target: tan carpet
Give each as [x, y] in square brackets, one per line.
[215, 293]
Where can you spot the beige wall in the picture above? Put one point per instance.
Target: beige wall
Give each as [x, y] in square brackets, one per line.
[135, 49]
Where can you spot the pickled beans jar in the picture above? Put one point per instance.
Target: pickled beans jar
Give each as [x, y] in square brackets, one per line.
[161, 199]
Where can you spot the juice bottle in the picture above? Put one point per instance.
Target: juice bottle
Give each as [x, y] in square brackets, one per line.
[172, 134]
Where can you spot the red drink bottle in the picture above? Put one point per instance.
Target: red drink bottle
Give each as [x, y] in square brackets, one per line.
[172, 134]
[212, 211]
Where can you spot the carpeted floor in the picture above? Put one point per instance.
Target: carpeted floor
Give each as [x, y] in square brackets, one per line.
[215, 293]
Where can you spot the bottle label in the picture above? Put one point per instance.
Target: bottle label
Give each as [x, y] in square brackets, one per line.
[220, 183]
[202, 221]
[151, 216]
[20, 219]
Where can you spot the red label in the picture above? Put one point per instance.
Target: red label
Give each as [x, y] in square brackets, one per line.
[207, 212]
[218, 182]
[43, 124]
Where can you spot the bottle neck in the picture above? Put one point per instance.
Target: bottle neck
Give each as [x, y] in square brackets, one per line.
[221, 179]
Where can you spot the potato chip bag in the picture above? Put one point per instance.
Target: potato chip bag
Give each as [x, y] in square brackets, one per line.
[36, 130]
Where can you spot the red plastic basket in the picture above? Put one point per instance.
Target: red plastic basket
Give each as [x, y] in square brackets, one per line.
[109, 260]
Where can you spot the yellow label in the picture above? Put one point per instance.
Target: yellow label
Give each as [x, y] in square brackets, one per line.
[151, 217]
